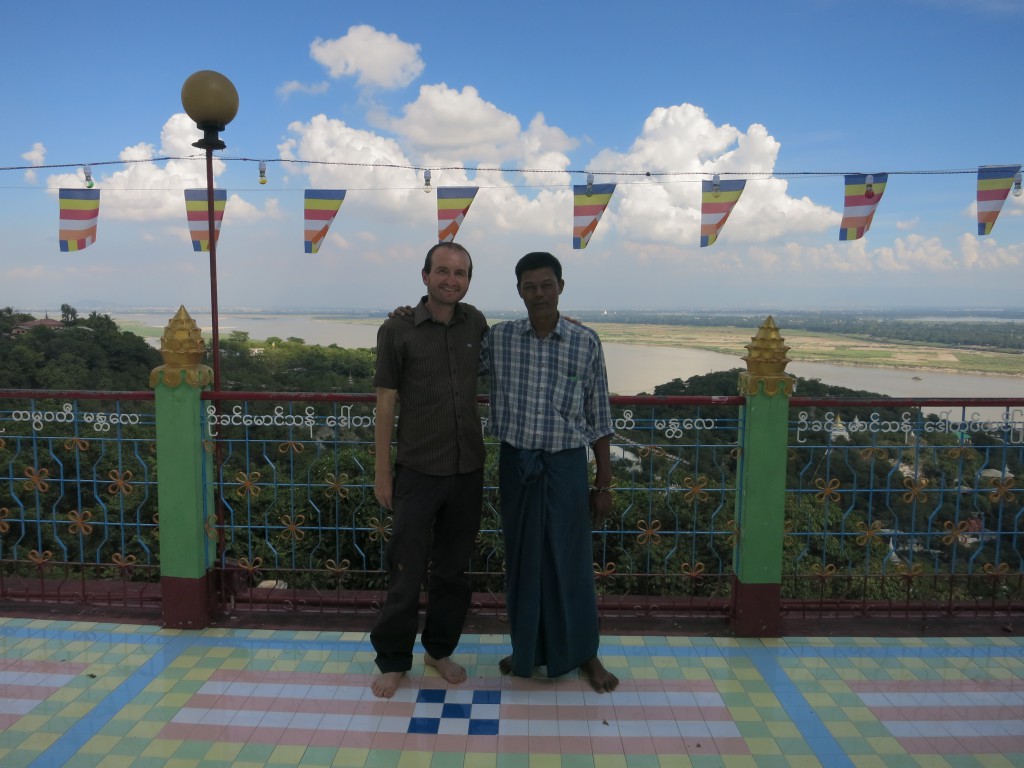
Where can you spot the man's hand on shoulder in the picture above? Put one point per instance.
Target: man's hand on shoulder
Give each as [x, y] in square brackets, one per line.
[405, 311]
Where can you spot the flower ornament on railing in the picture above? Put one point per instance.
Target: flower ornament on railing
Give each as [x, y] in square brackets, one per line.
[695, 489]
[867, 533]
[909, 573]
[291, 445]
[787, 532]
[336, 485]
[828, 490]
[694, 572]
[124, 564]
[733, 533]
[339, 570]
[293, 529]
[121, 482]
[79, 522]
[956, 534]
[250, 568]
[915, 486]
[996, 572]
[40, 559]
[211, 527]
[873, 453]
[959, 451]
[4, 525]
[247, 484]
[380, 530]
[648, 533]
[824, 573]
[37, 479]
[1003, 490]
[607, 573]
[76, 444]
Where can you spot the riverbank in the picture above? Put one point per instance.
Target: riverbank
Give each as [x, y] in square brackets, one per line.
[805, 347]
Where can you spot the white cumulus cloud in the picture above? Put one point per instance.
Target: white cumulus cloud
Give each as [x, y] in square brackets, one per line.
[375, 59]
[294, 86]
[36, 156]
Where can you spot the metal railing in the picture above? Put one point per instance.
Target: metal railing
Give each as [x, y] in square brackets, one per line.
[893, 507]
[301, 530]
[895, 510]
[78, 510]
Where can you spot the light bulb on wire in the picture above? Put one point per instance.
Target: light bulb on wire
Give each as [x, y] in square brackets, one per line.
[716, 185]
[869, 186]
[426, 181]
[590, 184]
[1016, 185]
[263, 171]
[89, 184]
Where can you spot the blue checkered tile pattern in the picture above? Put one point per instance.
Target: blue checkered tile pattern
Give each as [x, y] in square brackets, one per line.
[459, 713]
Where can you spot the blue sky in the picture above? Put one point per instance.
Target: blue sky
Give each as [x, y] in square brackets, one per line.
[746, 86]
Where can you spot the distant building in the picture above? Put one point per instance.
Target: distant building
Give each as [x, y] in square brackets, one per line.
[46, 322]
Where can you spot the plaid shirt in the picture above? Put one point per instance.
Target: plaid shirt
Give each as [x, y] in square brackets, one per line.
[547, 394]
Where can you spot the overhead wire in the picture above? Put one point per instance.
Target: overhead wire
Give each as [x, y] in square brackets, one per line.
[662, 176]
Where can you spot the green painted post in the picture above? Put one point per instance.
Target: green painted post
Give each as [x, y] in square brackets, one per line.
[184, 476]
[760, 500]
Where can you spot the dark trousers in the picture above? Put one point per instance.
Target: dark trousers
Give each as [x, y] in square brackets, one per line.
[436, 520]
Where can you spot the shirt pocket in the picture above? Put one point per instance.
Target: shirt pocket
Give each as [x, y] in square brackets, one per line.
[567, 396]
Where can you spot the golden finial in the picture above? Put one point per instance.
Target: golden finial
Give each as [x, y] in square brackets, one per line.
[766, 363]
[182, 348]
[766, 352]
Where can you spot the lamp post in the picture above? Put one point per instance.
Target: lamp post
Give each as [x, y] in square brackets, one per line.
[211, 100]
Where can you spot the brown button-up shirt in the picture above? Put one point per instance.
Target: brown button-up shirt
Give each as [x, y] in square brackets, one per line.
[434, 368]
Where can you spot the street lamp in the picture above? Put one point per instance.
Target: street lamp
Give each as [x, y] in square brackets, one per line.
[211, 100]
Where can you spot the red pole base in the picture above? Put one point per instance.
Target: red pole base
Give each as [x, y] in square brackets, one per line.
[756, 609]
[185, 602]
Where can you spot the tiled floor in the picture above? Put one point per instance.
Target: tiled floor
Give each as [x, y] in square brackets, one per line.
[85, 694]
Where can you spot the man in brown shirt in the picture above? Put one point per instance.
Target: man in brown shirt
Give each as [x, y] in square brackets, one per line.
[427, 366]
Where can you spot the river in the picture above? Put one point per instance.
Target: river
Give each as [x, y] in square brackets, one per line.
[634, 368]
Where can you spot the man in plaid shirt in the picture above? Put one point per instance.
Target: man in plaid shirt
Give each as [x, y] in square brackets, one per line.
[549, 402]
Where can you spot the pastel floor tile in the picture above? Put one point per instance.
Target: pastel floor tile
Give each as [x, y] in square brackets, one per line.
[89, 694]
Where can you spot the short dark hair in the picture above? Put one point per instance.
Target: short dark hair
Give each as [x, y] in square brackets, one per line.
[538, 260]
[428, 263]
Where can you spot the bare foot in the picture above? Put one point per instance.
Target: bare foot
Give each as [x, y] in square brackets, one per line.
[446, 668]
[385, 684]
[505, 665]
[600, 678]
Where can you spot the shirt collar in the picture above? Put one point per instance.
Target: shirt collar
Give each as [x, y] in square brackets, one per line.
[422, 315]
[562, 326]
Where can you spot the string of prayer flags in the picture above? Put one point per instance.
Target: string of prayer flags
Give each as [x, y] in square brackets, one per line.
[197, 207]
[321, 207]
[718, 198]
[589, 203]
[79, 216]
[994, 182]
[452, 205]
[863, 194]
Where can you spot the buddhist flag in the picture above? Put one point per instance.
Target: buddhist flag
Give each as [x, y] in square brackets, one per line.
[863, 194]
[79, 214]
[717, 201]
[198, 209]
[588, 206]
[994, 182]
[452, 205]
[322, 206]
